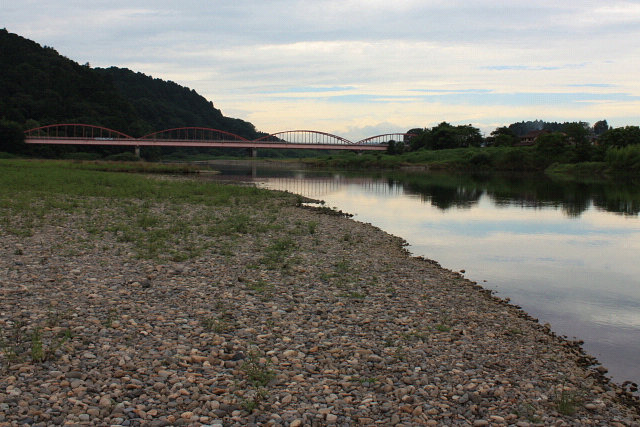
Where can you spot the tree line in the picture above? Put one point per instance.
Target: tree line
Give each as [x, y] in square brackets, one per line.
[551, 142]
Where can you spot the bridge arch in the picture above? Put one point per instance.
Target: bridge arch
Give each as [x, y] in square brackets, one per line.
[76, 131]
[385, 138]
[305, 137]
[193, 133]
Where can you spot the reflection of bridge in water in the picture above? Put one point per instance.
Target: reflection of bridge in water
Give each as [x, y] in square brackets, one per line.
[315, 187]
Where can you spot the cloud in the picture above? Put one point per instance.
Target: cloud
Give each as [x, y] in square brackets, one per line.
[347, 64]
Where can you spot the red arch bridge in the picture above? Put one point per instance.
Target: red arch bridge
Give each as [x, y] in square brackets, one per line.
[82, 134]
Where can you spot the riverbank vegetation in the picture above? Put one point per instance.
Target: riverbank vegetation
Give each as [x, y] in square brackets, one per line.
[575, 149]
[34, 191]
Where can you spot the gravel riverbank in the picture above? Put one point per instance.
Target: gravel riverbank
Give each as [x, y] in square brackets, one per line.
[311, 319]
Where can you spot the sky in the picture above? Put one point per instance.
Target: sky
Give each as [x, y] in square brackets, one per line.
[358, 68]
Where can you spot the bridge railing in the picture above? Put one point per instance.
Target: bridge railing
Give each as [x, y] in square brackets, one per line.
[193, 133]
[76, 131]
[305, 137]
[386, 138]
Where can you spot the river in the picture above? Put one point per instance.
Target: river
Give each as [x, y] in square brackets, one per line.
[567, 253]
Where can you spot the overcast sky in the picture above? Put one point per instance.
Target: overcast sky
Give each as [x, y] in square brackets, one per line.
[363, 67]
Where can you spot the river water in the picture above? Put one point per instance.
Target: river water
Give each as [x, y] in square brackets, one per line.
[567, 253]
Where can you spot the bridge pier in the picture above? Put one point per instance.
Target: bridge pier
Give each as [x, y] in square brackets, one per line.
[254, 152]
[137, 151]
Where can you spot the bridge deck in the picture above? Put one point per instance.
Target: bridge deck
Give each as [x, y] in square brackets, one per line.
[212, 144]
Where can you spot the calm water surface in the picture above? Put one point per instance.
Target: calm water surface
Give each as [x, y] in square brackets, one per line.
[568, 254]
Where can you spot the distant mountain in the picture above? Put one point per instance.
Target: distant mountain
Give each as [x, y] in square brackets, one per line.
[38, 86]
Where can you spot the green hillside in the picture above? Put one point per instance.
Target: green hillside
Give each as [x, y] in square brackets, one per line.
[38, 86]
[164, 104]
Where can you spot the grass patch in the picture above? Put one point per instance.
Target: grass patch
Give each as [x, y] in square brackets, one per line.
[260, 286]
[219, 326]
[277, 253]
[159, 218]
[353, 295]
[567, 401]
[18, 343]
[257, 370]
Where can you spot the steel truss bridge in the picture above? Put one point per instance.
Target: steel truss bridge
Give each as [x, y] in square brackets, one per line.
[83, 134]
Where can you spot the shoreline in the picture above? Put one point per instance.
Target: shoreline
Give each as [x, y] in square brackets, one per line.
[296, 318]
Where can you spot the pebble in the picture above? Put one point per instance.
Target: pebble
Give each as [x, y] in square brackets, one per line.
[342, 326]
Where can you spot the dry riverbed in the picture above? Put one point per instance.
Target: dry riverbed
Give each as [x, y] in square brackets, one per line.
[305, 318]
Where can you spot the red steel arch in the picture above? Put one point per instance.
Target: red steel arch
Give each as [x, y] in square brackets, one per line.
[76, 131]
[193, 133]
[84, 134]
[305, 137]
[385, 138]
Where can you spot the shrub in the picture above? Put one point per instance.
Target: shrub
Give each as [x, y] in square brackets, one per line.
[626, 159]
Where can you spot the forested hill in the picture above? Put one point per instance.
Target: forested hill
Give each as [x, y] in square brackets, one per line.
[165, 104]
[38, 86]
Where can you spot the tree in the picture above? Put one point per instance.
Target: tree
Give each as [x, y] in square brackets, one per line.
[600, 127]
[11, 137]
[551, 147]
[443, 136]
[577, 132]
[419, 140]
[504, 137]
[620, 137]
[468, 136]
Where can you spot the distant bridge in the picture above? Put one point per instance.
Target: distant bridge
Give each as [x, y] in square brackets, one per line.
[83, 134]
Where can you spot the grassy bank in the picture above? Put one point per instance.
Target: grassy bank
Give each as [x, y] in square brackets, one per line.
[144, 211]
[614, 162]
[491, 158]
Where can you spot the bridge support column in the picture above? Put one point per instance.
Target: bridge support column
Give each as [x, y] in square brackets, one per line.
[254, 152]
[137, 151]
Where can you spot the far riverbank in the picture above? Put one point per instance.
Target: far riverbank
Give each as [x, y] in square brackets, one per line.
[165, 301]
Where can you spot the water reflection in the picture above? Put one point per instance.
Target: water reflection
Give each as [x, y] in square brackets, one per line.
[566, 252]
[460, 191]
[527, 191]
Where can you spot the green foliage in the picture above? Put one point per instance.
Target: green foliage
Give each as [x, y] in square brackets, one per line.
[577, 132]
[38, 83]
[219, 326]
[160, 104]
[524, 127]
[625, 159]
[620, 137]
[37, 351]
[503, 137]
[567, 401]
[19, 344]
[446, 136]
[600, 127]
[503, 140]
[11, 137]
[277, 252]
[257, 370]
[552, 147]
[34, 191]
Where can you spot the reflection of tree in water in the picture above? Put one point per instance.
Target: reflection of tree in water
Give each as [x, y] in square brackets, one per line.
[530, 191]
[623, 199]
[444, 195]
[577, 199]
